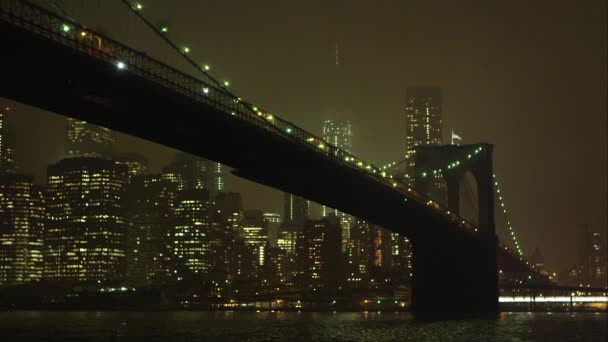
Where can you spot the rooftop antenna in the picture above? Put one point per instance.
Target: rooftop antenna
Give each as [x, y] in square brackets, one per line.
[337, 54]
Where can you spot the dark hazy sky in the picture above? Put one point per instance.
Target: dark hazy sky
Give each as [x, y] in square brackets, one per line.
[526, 76]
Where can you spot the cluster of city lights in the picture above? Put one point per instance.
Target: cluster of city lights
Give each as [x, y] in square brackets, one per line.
[319, 143]
[504, 212]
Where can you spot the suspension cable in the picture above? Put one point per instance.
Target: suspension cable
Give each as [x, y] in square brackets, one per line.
[159, 33]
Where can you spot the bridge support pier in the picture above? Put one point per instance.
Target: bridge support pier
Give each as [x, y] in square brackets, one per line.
[454, 276]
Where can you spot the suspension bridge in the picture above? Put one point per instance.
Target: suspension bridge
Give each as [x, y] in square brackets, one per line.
[57, 64]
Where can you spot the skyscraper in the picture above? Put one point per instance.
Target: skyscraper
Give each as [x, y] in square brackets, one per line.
[296, 211]
[190, 243]
[191, 172]
[592, 258]
[87, 140]
[338, 133]
[255, 235]
[85, 238]
[423, 128]
[22, 218]
[319, 256]
[149, 209]
[273, 222]
[423, 117]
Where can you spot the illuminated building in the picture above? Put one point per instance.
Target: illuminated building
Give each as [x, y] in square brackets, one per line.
[592, 259]
[392, 253]
[149, 206]
[255, 235]
[423, 128]
[190, 242]
[84, 139]
[360, 255]
[8, 164]
[22, 219]
[135, 162]
[287, 240]
[338, 133]
[423, 117]
[296, 210]
[85, 238]
[279, 267]
[191, 172]
[319, 255]
[227, 222]
[273, 222]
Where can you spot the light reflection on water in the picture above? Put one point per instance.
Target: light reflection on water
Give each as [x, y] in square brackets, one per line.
[294, 326]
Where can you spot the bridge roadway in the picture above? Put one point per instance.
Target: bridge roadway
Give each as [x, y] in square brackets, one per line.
[44, 66]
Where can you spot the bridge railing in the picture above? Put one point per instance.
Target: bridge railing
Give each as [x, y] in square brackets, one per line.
[36, 19]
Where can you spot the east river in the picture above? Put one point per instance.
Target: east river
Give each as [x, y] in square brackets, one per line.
[293, 326]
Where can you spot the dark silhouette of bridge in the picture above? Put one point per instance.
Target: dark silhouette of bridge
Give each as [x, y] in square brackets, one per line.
[58, 65]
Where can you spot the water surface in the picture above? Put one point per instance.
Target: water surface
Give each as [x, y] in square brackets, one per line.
[293, 326]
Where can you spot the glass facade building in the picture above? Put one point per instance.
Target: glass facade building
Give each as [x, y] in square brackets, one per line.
[85, 238]
[22, 221]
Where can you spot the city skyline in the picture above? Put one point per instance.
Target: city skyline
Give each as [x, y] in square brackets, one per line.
[520, 194]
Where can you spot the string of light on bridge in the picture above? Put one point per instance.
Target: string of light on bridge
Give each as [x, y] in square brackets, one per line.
[457, 163]
[501, 203]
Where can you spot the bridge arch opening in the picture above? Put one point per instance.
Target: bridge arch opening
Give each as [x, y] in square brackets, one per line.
[469, 198]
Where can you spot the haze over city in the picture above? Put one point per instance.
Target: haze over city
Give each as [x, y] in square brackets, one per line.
[319, 170]
[527, 77]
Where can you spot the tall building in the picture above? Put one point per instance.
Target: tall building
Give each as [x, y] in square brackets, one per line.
[423, 118]
[149, 209]
[22, 219]
[191, 172]
[592, 258]
[8, 164]
[227, 222]
[423, 128]
[359, 257]
[319, 255]
[254, 232]
[190, 242]
[86, 231]
[273, 222]
[296, 210]
[338, 133]
[84, 139]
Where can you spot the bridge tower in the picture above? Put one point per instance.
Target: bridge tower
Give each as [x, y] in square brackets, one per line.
[453, 273]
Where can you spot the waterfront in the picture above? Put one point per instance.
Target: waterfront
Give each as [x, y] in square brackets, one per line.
[304, 326]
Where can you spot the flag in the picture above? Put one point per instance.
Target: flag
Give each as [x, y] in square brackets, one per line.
[455, 136]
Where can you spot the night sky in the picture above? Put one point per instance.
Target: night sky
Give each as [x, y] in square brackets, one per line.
[526, 76]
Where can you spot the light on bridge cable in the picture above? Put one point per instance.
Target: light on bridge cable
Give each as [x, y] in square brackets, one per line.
[164, 29]
[186, 49]
[121, 65]
[65, 28]
[138, 6]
